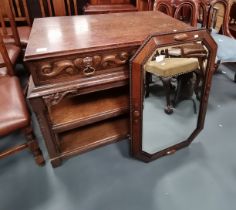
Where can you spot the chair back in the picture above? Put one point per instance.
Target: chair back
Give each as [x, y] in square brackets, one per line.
[58, 7]
[218, 17]
[164, 6]
[4, 58]
[8, 28]
[203, 9]
[186, 11]
[20, 11]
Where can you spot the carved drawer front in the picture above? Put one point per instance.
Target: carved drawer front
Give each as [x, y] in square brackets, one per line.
[80, 66]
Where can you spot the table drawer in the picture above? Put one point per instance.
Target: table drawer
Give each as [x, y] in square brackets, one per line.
[73, 67]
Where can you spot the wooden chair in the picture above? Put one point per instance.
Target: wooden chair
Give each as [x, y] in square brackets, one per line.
[15, 116]
[58, 7]
[9, 43]
[13, 113]
[166, 69]
[19, 13]
[164, 6]
[218, 24]
[186, 11]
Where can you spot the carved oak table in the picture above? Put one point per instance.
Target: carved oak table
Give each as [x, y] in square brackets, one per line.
[79, 86]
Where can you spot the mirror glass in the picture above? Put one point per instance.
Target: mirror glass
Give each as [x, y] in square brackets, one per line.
[232, 20]
[173, 78]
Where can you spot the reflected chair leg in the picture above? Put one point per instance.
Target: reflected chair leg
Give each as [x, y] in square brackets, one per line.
[33, 145]
[235, 77]
[167, 86]
[148, 80]
[199, 76]
[177, 93]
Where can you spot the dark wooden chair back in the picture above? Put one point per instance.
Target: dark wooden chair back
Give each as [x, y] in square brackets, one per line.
[8, 28]
[19, 9]
[58, 7]
[5, 61]
[164, 6]
[186, 11]
[218, 17]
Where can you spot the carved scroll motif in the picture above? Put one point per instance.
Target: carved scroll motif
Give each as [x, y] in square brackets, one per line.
[117, 59]
[58, 67]
[56, 98]
[93, 63]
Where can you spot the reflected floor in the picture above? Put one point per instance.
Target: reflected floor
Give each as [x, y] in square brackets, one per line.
[170, 129]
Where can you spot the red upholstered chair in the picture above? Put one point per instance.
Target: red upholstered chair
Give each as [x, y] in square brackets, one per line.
[14, 114]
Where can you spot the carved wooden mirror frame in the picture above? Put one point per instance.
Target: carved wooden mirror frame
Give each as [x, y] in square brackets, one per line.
[136, 87]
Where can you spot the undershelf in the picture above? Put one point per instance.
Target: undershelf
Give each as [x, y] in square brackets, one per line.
[83, 110]
[92, 136]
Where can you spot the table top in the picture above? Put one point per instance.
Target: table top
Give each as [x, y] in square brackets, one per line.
[58, 36]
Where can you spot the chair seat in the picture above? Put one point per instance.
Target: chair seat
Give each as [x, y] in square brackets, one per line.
[170, 67]
[13, 113]
[24, 33]
[13, 52]
[226, 48]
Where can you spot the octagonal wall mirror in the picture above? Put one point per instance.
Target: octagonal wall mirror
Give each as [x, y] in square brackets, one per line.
[170, 83]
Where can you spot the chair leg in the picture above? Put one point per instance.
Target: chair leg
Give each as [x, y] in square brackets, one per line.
[147, 84]
[33, 145]
[167, 86]
[235, 77]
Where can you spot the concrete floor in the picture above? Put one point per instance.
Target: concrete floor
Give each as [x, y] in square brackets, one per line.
[200, 177]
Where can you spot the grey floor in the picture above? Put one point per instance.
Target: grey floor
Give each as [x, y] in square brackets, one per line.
[159, 129]
[200, 177]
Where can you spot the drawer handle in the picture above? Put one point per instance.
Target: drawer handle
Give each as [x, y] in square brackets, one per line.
[180, 37]
[88, 71]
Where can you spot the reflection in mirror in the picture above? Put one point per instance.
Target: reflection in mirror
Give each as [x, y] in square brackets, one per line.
[232, 20]
[201, 21]
[173, 80]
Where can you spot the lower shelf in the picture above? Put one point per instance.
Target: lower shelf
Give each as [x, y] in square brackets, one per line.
[90, 137]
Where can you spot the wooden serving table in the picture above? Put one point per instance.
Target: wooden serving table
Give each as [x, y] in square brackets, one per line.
[79, 88]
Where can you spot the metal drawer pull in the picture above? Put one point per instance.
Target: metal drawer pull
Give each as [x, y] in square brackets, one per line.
[89, 70]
